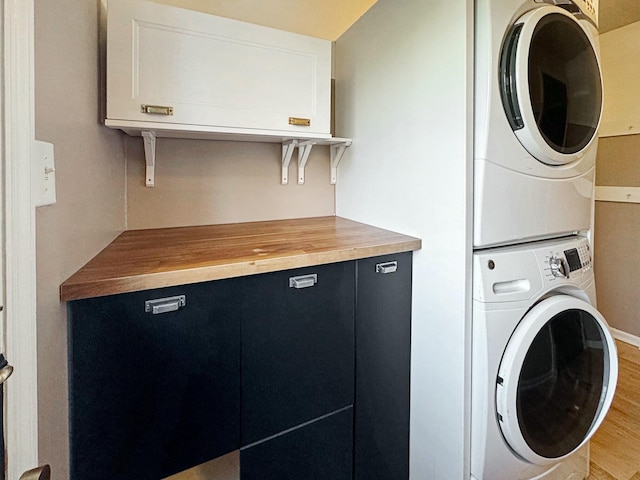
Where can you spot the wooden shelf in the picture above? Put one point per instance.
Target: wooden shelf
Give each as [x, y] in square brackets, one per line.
[146, 259]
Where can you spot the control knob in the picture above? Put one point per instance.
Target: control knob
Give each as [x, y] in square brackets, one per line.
[558, 267]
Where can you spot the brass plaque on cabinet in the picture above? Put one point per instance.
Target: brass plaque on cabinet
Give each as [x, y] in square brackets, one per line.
[301, 122]
[157, 109]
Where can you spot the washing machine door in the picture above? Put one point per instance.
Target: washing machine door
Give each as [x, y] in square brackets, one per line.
[551, 85]
[556, 379]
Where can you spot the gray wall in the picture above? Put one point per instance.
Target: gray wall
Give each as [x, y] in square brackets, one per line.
[617, 235]
[90, 206]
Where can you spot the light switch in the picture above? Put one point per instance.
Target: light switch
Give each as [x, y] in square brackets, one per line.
[44, 174]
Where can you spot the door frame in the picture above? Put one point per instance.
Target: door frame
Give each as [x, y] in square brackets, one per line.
[20, 343]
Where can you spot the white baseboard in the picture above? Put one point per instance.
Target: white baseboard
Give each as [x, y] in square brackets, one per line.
[625, 337]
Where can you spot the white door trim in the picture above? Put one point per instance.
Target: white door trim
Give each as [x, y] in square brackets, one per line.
[20, 306]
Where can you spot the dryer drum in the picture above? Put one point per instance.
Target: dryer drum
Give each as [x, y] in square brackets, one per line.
[558, 379]
[550, 85]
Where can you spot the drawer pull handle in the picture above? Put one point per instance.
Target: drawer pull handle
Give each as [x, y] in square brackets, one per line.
[386, 267]
[164, 305]
[156, 109]
[303, 281]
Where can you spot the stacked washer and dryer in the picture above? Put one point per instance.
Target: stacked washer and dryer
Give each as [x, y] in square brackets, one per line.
[544, 364]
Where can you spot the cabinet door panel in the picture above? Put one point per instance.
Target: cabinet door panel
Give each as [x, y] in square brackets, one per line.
[321, 450]
[297, 349]
[383, 363]
[152, 395]
[213, 71]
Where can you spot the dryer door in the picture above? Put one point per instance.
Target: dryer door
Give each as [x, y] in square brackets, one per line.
[551, 85]
[556, 379]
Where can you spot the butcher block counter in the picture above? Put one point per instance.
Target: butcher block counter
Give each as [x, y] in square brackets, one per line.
[147, 259]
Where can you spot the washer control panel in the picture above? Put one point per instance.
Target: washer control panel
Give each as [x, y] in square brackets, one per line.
[565, 260]
[522, 272]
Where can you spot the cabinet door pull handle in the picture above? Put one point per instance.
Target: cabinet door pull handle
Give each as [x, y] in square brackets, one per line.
[387, 267]
[303, 281]
[156, 109]
[164, 305]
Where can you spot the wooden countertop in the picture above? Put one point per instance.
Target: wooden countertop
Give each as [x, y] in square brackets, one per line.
[146, 259]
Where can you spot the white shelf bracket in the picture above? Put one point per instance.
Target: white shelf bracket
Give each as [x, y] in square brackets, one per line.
[304, 149]
[287, 152]
[150, 157]
[337, 151]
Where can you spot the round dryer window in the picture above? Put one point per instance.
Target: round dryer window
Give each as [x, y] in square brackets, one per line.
[556, 379]
[551, 85]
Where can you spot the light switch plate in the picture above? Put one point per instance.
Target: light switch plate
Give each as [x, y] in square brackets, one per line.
[44, 174]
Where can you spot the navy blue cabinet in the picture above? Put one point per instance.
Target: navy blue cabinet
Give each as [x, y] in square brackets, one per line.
[383, 364]
[151, 395]
[305, 372]
[298, 366]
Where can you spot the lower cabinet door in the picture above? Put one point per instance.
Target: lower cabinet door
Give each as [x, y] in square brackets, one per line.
[319, 450]
[383, 362]
[297, 348]
[153, 394]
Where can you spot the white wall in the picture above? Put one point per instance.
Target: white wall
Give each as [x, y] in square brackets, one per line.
[404, 79]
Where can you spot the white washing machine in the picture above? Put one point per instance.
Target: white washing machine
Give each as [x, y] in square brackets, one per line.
[544, 364]
[538, 104]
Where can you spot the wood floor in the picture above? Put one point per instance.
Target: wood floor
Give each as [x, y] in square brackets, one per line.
[615, 448]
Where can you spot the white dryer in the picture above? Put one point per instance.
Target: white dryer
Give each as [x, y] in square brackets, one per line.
[538, 104]
[544, 364]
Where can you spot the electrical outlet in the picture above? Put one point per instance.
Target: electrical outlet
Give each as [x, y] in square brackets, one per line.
[44, 174]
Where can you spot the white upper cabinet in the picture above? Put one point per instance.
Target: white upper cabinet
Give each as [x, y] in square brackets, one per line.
[176, 70]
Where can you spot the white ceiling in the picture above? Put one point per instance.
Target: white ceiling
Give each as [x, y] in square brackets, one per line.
[326, 19]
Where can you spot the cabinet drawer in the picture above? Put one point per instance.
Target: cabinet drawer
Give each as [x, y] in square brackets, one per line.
[297, 348]
[152, 395]
[190, 68]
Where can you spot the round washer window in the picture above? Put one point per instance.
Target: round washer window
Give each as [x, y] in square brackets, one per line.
[564, 84]
[561, 384]
[556, 379]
